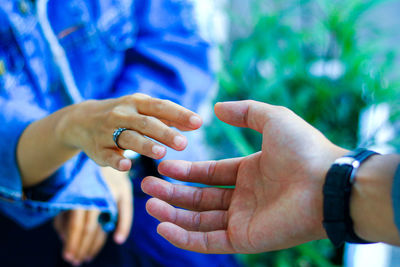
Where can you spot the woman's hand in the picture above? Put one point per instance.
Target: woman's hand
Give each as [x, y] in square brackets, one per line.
[80, 231]
[47, 144]
[90, 126]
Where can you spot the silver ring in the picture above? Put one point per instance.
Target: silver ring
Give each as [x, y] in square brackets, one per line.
[116, 135]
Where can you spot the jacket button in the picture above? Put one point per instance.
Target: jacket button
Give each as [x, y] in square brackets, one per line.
[23, 7]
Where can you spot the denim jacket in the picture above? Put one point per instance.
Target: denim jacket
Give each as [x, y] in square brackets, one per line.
[113, 48]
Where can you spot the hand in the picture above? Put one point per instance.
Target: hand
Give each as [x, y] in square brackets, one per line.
[82, 235]
[277, 199]
[90, 125]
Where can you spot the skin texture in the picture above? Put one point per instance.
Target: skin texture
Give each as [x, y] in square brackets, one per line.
[82, 235]
[276, 198]
[89, 127]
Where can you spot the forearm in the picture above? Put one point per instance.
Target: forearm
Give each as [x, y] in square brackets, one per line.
[371, 200]
[41, 150]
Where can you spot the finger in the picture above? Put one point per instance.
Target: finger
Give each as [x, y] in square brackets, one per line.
[89, 234]
[154, 128]
[74, 235]
[168, 110]
[188, 197]
[176, 125]
[134, 141]
[115, 159]
[60, 225]
[216, 242]
[248, 113]
[97, 245]
[125, 216]
[223, 172]
[57, 223]
[192, 221]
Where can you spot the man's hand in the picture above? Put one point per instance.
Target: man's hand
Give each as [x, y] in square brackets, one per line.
[276, 201]
[81, 233]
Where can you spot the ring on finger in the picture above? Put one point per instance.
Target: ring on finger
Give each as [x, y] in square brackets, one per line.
[116, 135]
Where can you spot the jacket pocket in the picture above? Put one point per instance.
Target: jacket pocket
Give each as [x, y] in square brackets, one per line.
[95, 43]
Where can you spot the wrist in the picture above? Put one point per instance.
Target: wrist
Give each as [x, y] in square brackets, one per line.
[371, 200]
[326, 160]
[319, 171]
[66, 127]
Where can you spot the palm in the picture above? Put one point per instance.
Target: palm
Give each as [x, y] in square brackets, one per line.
[281, 203]
[259, 217]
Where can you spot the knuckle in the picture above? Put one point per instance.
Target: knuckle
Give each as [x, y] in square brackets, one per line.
[143, 122]
[147, 147]
[158, 105]
[129, 99]
[211, 170]
[281, 109]
[115, 112]
[168, 135]
[251, 102]
[206, 242]
[197, 198]
[197, 221]
[183, 117]
[138, 97]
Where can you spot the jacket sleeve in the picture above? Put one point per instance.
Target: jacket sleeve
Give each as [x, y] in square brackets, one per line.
[169, 60]
[78, 184]
[24, 98]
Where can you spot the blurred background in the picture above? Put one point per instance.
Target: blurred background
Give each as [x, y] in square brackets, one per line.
[334, 62]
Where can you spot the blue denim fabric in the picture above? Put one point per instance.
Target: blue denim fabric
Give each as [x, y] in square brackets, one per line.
[113, 48]
[396, 198]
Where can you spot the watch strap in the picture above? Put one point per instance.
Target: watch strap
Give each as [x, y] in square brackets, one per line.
[337, 191]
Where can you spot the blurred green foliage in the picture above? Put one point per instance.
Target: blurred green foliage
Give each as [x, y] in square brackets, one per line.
[321, 59]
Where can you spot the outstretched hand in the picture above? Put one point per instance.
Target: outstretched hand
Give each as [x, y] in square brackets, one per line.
[276, 199]
[144, 125]
[91, 124]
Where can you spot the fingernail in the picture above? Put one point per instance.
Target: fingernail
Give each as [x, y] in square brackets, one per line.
[124, 164]
[68, 256]
[76, 263]
[119, 239]
[158, 150]
[195, 121]
[180, 141]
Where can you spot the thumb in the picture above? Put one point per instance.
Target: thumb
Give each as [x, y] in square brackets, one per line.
[247, 113]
